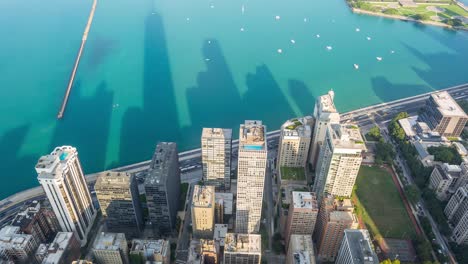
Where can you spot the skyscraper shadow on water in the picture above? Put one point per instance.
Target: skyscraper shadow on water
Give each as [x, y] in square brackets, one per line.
[215, 100]
[302, 96]
[388, 91]
[86, 125]
[157, 120]
[14, 173]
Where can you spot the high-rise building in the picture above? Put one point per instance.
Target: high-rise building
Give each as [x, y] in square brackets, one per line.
[110, 248]
[443, 115]
[242, 248]
[63, 181]
[162, 188]
[216, 157]
[457, 214]
[302, 215]
[300, 250]
[219, 236]
[203, 211]
[63, 250]
[356, 248]
[15, 246]
[325, 114]
[38, 221]
[158, 251]
[117, 193]
[223, 207]
[444, 179]
[251, 169]
[334, 217]
[339, 161]
[293, 148]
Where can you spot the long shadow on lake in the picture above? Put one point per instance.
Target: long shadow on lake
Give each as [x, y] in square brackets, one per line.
[158, 119]
[388, 91]
[215, 101]
[15, 173]
[302, 96]
[89, 118]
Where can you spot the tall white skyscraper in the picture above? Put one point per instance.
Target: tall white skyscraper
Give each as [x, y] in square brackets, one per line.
[64, 183]
[325, 113]
[251, 169]
[339, 161]
[216, 157]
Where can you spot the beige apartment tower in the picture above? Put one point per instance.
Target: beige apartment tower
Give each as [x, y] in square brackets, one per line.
[203, 211]
[325, 114]
[216, 144]
[251, 169]
[443, 115]
[302, 215]
[339, 161]
[294, 143]
[334, 217]
[63, 181]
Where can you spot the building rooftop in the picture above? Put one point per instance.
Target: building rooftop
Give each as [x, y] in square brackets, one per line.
[343, 205]
[245, 243]
[160, 163]
[221, 133]
[203, 196]
[227, 200]
[327, 102]
[11, 237]
[219, 234]
[252, 135]
[58, 247]
[447, 105]
[150, 247]
[51, 166]
[302, 249]
[407, 124]
[109, 241]
[342, 216]
[304, 200]
[460, 148]
[112, 179]
[360, 246]
[194, 253]
[347, 139]
[297, 127]
[24, 217]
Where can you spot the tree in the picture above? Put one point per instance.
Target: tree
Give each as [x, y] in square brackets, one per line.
[423, 16]
[445, 154]
[412, 193]
[384, 153]
[374, 133]
[423, 249]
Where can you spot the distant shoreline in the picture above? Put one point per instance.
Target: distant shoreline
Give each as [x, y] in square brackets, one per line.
[403, 18]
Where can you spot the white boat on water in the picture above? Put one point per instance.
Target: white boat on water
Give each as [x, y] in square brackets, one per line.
[305, 19]
[392, 51]
[318, 36]
[368, 38]
[357, 30]
[356, 66]
[329, 48]
[280, 51]
[379, 58]
[293, 41]
[242, 29]
[277, 17]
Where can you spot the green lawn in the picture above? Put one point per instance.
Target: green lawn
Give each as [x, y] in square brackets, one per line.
[292, 174]
[379, 205]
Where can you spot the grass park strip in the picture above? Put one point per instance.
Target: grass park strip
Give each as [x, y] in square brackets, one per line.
[379, 205]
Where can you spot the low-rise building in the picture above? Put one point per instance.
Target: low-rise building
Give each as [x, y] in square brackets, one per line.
[63, 250]
[219, 236]
[158, 251]
[443, 180]
[208, 251]
[110, 248]
[16, 246]
[356, 248]
[300, 250]
[242, 248]
[302, 215]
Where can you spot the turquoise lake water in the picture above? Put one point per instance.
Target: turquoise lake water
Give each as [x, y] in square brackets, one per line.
[161, 70]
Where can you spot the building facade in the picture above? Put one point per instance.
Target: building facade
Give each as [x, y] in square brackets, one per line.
[302, 215]
[162, 188]
[356, 248]
[293, 148]
[457, 214]
[242, 248]
[325, 114]
[63, 181]
[339, 161]
[443, 115]
[443, 180]
[251, 169]
[203, 211]
[158, 251]
[15, 246]
[216, 145]
[110, 248]
[63, 250]
[300, 250]
[334, 217]
[118, 197]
